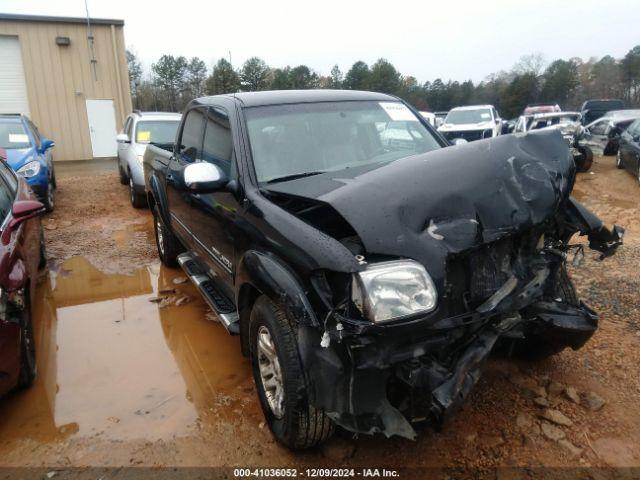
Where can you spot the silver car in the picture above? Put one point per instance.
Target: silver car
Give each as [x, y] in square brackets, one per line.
[141, 129]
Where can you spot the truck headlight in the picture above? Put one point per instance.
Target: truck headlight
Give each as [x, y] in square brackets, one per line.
[390, 290]
[30, 169]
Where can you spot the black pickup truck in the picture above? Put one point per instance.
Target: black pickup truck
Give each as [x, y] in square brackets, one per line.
[368, 270]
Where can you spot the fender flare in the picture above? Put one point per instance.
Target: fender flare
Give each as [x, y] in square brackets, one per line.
[160, 198]
[271, 277]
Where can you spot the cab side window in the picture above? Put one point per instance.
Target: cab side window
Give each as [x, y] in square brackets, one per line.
[218, 144]
[192, 135]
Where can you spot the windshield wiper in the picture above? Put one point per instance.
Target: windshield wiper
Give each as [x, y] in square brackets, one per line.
[294, 176]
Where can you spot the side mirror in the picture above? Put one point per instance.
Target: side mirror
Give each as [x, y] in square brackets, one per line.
[204, 177]
[46, 144]
[122, 138]
[21, 211]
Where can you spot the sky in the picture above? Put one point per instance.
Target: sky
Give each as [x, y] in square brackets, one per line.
[448, 39]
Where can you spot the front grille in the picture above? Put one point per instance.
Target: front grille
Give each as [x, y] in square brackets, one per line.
[468, 135]
[473, 277]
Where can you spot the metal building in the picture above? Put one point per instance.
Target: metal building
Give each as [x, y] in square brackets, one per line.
[70, 76]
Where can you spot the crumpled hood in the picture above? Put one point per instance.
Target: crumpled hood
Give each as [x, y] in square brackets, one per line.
[449, 200]
[16, 158]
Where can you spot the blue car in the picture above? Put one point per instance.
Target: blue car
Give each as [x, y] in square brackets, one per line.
[29, 154]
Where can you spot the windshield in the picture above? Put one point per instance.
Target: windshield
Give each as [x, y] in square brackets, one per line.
[293, 140]
[539, 123]
[479, 115]
[13, 136]
[156, 131]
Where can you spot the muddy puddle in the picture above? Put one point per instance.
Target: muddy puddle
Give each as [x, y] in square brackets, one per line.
[113, 364]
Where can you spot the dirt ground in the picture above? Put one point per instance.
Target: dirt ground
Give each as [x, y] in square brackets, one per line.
[124, 381]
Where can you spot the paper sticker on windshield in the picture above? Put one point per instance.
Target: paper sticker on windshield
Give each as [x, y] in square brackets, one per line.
[397, 111]
[485, 115]
[144, 136]
[18, 138]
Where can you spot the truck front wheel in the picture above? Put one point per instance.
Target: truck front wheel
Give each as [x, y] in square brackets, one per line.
[169, 246]
[279, 379]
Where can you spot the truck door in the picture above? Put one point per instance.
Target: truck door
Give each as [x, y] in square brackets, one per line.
[187, 150]
[597, 137]
[213, 215]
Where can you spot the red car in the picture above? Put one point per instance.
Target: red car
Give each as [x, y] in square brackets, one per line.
[21, 255]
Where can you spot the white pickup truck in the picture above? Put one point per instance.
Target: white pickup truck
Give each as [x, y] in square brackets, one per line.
[474, 122]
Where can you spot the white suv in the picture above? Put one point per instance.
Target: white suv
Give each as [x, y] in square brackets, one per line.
[140, 129]
[474, 122]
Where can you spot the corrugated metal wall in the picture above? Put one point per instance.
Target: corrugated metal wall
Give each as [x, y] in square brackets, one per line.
[60, 79]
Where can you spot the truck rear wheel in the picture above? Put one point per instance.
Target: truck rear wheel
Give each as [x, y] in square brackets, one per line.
[279, 379]
[168, 245]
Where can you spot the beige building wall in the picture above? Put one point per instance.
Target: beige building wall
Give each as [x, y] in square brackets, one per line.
[60, 78]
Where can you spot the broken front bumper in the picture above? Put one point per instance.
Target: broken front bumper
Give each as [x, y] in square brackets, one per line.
[385, 383]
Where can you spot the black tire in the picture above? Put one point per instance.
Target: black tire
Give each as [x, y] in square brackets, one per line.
[169, 247]
[49, 201]
[609, 149]
[619, 161]
[123, 175]
[538, 346]
[28, 368]
[298, 425]
[53, 176]
[584, 160]
[137, 200]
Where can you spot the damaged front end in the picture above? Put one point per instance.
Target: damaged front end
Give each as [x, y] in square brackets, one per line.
[494, 246]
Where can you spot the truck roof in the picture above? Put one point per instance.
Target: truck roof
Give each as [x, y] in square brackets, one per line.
[279, 97]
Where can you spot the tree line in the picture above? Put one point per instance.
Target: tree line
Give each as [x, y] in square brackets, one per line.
[175, 81]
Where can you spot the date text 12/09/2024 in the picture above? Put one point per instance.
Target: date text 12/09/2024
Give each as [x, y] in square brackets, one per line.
[316, 472]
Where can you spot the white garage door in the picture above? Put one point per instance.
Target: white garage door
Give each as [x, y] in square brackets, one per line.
[13, 88]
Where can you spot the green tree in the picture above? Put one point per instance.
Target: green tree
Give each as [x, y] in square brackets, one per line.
[384, 77]
[254, 75]
[605, 77]
[281, 79]
[357, 78]
[196, 76]
[523, 89]
[223, 79]
[135, 75]
[630, 69]
[560, 81]
[301, 78]
[170, 75]
[336, 78]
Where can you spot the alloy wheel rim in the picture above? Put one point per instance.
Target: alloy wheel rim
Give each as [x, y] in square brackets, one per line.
[131, 189]
[270, 372]
[50, 196]
[160, 236]
[619, 158]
